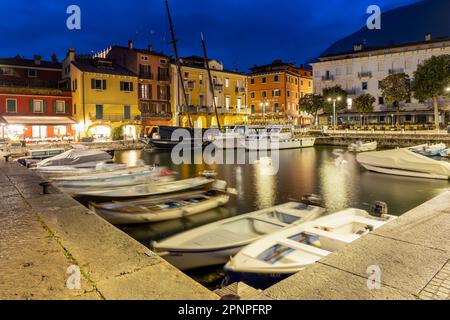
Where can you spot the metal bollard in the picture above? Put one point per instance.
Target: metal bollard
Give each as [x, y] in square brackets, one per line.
[45, 187]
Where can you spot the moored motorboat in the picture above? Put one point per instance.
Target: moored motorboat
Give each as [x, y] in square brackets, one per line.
[167, 138]
[34, 156]
[148, 189]
[231, 137]
[80, 157]
[276, 138]
[119, 178]
[445, 153]
[163, 208]
[403, 162]
[360, 146]
[283, 253]
[214, 243]
[435, 149]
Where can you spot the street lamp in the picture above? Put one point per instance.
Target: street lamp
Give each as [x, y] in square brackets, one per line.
[447, 89]
[264, 105]
[334, 109]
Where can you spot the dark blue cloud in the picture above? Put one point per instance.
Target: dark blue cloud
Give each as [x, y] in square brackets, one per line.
[239, 32]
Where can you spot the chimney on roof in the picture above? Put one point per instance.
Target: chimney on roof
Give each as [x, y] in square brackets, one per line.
[150, 47]
[428, 37]
[71, 55]
[358, 47]
[130, 44]
[37, 59]
[54, 58]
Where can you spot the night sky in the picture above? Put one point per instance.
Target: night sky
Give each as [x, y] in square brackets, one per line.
[241, 33]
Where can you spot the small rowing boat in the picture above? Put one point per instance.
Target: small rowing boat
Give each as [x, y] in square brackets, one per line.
[158, 209]
[283, 253]
[214, 243]
[360, 146]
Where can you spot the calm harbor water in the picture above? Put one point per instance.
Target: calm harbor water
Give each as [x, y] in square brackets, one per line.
[330, 172]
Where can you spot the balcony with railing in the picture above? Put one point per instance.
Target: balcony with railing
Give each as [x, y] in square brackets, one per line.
[114, 117]
[210, 110]
[328, 77]
[397, 70]
[189, 85]
[218, 86]
[156, 115]
[145, 75]
[240, 90]
[365, 74]
[163, 77]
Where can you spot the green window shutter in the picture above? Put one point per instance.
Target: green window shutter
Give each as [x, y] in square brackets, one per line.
[131, 86]
[31, 105]
[66, 107]
[54, 106]
[104, 84]
[92, 83]
[45, 106]
[121, 85]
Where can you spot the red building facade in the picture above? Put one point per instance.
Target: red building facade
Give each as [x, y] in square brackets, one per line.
[34, 104]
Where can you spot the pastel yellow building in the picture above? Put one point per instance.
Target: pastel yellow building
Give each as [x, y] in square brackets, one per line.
[105, 98]
[229, 93]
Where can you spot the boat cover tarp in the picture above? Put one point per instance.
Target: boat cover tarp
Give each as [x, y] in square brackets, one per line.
[404, 159]
[75, 157]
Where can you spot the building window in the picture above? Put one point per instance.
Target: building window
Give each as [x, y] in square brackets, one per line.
[99, 112]
[264, 80]
[127, 112]
[60, 131]
[39, 131]
[264, 94]
[239, 103]
[32, 73]
[202, 101]
[144, 58]
[380, 100]
[145, 71]
[60, 106]
[98, 84]
[252, 81]
[309, 84]
[275, 78]
[364, 86]
[296, 81]
[145, 91]
[74, 85]
[126, 86]
[227, 83]
[252, 95]
[288, 93]
[186, 74]
[200, 79]
[252, 108]
[11, 105]
[227, 102]
[38, 106]
[276, 107]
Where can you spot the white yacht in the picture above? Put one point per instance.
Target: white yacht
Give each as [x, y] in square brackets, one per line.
[276, 138]
[230, 138]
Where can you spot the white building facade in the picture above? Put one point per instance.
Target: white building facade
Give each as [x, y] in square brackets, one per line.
[360, 71]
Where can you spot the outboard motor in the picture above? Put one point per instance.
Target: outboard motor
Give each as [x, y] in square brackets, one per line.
[312, 199]
[379, 209]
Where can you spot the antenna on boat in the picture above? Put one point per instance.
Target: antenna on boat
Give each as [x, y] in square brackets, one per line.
[211, 84]
[177, 63]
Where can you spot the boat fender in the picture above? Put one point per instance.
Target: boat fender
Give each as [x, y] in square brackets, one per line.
[380, 208]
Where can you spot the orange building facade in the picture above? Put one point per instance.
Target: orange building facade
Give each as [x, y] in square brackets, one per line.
[274, 93]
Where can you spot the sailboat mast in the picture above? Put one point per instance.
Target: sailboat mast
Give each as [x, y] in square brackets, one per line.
[177, 63]
[211, 84]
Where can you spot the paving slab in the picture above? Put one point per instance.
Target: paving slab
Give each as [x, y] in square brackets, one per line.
[322, 282]
[399, 261]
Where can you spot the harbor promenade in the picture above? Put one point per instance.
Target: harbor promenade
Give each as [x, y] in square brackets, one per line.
[46, 239]
[412, 254]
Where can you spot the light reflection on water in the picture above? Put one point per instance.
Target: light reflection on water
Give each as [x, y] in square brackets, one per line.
[332, 173]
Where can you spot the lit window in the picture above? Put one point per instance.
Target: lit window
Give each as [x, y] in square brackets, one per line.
[60, 106]
[32, 73]
[227, 83]
[126, 86]
[38, 106]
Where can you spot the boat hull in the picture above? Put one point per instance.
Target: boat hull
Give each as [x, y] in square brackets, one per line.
[117, 217]
[263, 145]
[170, 144]
[228, 143]
[404, 173]
[256, 280]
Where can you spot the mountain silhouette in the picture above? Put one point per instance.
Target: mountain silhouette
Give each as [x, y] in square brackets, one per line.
[401, 25]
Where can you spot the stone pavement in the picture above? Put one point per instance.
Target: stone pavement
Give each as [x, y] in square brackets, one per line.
[412, 252]
[44, 235]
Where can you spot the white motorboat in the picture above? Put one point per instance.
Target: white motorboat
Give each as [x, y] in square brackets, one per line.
[231, 137]
[403, 162]
[76, 157]
[214, 243]
[119, 178]
[430, 150]
[66, 171]
[148, 190]
[158, 209]
[445, 153]
[360, 146]
[283, 253]
[276, 138]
